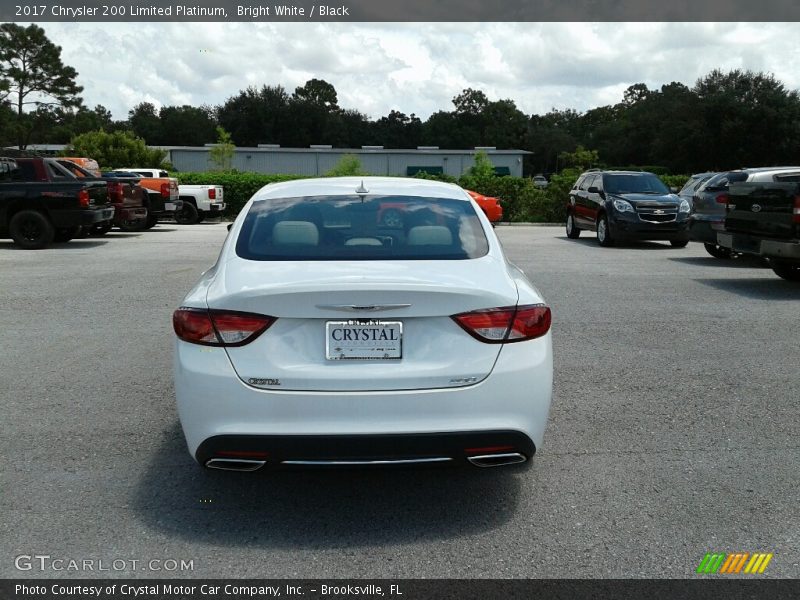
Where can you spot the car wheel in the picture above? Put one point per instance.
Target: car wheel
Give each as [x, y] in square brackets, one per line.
[83, 232]
[187, 215]
[65, 234]
[785, 270]
[679, 243]
[100, 229]
[151, 221]
[604, 232]
[573, 232]
[31, 230]
[201, 216]
[718, 251]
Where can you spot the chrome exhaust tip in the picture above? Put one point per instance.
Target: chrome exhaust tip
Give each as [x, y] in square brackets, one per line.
[497, 460]
[234, 464]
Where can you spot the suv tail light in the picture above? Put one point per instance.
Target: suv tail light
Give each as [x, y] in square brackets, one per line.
[796, 210]
[723, 199]
[165, 190]
[508, 324]
[218, 327]
[212, 193]
[83, 198]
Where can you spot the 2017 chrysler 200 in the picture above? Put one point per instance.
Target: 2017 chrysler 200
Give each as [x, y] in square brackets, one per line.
[326, 335]
[626, 205]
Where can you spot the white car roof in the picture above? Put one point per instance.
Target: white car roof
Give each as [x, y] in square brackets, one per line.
[337, 186]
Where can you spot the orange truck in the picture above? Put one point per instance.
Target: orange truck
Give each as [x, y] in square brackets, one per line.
[162, 193]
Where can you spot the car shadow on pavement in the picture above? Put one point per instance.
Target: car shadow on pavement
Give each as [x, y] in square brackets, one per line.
[740, 262]
[757, 288]
[71, 245]
[320, 508]
[638, 245]
[159, 229]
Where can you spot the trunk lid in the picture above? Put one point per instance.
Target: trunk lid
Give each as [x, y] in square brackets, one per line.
[764, 209]
[421, 295]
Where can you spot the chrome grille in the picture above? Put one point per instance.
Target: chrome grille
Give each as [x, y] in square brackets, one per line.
[657, 214]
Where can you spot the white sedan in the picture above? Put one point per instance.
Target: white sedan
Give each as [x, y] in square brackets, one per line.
[328, 334]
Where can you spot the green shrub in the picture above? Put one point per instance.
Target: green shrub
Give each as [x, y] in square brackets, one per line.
[348, 165]
[677, 181]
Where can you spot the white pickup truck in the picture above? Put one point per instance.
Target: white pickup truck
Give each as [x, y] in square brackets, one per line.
[199, 202]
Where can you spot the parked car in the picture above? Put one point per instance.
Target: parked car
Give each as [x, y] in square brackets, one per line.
[199, 202]
[88, 164]
[162, 193]
[540, 181]
[708, 205]
[336, 340]
[763, 218]
[489, 205]
[41, 203]
[125, 194]
[693, 184]
[626, 205]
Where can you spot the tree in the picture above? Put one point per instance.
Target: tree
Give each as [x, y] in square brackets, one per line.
[221, 153]
[257, 116]
[317, 92]
[187, 125]
[117, 149]
[348, 165]
[145, 123]
[33, 75]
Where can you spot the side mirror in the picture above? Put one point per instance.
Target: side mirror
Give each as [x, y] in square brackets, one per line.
[673, 189]
[229, 226]
[593, 190]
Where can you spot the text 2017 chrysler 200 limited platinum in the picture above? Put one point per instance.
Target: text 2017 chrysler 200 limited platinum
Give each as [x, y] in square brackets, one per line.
[325, 335]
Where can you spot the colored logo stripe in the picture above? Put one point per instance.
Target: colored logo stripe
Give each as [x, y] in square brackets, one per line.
[719, 562]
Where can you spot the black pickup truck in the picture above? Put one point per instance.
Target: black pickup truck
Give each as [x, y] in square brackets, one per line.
[764, 219]
[46, 204]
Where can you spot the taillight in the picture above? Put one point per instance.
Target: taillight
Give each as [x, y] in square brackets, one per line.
[508, 324]
[723, 199]
[212, 193]
[165, 190]
[796, 210]
[115, 193]
[218, 327]
[83, 198]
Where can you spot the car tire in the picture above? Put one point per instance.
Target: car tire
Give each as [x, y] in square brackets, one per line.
[604, 232]
[573, 232]
[785, 270]
[100, 229]
[65, 234]
[187, 215]
[679, 243]
[151, 222]
[718, 251]
[201, 216]
[31, 230]
[83, 232]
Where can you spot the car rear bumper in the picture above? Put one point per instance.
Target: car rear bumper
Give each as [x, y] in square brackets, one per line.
[213, 402]
[244, 452]
[131, 214]
[74, 218]
[216, 209]
[748, 244]
[705, 230]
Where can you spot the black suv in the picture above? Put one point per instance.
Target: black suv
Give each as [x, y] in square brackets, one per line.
[626, 205]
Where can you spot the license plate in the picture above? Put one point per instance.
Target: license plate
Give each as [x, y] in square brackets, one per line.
[169, 206]
[363, 340]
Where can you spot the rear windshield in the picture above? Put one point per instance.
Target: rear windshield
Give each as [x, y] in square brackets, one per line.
[723, 180]
[634, 184]
[352, 228]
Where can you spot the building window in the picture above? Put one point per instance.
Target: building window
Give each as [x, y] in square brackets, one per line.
[410, 171]
[500, 171]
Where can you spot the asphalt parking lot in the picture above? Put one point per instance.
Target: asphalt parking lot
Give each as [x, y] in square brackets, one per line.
[674, 429]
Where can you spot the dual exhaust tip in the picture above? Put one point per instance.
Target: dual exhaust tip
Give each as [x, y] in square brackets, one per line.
[483, 461]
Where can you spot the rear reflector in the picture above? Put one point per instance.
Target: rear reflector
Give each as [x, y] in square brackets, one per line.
[212, 193]
[508, 324]
[218, 327]
[83, 198]
[796, 210]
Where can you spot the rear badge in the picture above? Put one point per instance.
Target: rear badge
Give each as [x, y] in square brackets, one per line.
[258, 381]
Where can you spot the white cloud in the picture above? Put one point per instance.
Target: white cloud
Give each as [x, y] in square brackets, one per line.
[412, 67]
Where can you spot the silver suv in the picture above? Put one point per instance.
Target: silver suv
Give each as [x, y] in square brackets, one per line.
[708, 204]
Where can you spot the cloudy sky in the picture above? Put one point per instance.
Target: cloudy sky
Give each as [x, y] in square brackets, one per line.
[412, 67]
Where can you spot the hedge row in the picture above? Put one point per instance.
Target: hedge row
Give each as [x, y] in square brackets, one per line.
[522, 201]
